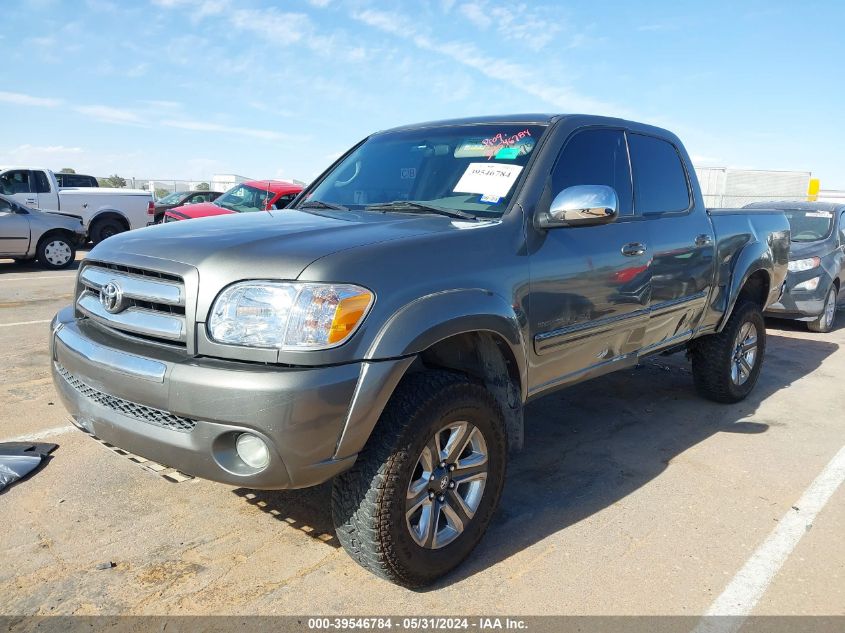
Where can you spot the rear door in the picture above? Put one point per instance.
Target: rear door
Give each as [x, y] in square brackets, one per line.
[590, 285]
[48, 199]
[14, 230]
[16, 184]
[681, 237]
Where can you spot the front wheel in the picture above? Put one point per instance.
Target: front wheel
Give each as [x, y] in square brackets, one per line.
[423, 491]
[726, 366]
[56, 252]
[824, 322]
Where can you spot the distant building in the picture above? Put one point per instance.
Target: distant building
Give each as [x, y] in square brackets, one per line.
[831, 195]
[733, 188]
[223, 182]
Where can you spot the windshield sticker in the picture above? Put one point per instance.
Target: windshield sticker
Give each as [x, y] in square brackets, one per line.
[507, 153]
[490, 147]
[819, 214]
[489, 179]
[490, 199]
[408, 173]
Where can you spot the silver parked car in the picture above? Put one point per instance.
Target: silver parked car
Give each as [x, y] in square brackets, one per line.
[26, 234]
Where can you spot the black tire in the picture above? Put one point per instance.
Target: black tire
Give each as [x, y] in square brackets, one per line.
[104, 229]
[56, 251]
[368, 501]
[713, 357]
[824, 322]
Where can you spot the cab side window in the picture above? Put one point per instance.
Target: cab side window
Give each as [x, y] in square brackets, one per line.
[842, 228]
[284, 200]
[660, 181]
[15, 181]
[596, 157]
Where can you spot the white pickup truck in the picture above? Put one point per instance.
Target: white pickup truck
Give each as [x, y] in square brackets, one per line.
[104, 211]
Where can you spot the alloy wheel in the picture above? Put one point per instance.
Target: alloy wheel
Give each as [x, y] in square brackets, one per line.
[745, 354]
[447, 485]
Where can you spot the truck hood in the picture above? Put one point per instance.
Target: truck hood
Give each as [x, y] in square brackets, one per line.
[264, 245]
[201, 210]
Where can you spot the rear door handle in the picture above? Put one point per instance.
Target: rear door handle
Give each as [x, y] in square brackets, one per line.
[634, 249]
[703, 240]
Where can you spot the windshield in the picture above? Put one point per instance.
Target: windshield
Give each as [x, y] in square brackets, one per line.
[469, 168]
[172, 198]
[245, 199]
[809, 226]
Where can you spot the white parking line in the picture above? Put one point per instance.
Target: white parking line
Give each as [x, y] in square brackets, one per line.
[742, 594]
[32, 278]
[25, 323]
[40, 435]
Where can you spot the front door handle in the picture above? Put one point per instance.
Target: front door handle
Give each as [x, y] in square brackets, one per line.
[30, 200]
[703, 240]
[634, 249]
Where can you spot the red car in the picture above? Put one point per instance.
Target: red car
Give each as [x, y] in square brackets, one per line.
[245, 197]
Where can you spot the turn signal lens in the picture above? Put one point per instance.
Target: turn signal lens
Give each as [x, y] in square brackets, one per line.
[348, 314]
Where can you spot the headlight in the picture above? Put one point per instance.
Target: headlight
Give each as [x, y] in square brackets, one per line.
[288, 315]
[799, 265]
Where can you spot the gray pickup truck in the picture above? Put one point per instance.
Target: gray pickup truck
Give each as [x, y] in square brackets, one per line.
[388, 328]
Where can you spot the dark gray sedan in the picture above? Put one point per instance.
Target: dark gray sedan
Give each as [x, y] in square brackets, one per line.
[816, 257]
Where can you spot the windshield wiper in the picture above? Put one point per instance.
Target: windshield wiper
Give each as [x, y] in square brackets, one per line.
[319, 204]
[399, 205]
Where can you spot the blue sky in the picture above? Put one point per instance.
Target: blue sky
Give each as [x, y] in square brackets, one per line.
[187, 88]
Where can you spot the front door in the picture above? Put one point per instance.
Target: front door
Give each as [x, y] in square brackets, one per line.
[15, 183]
[14, 230]
[590, 285]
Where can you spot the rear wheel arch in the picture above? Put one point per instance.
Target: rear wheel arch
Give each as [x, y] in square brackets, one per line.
[755, 287]
[103, 219]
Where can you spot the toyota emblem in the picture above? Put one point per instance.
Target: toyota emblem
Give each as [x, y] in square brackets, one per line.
[111, 297]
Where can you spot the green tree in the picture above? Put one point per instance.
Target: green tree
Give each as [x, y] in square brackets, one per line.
[67, 170]
[112, 181]
[203, 186]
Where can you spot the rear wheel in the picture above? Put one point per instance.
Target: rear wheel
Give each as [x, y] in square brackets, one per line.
[423, 491]
[726, 366]
[104, 229]
[56, 251]
[824, 322]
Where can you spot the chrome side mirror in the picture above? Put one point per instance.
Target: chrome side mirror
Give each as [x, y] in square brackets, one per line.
[581, 205]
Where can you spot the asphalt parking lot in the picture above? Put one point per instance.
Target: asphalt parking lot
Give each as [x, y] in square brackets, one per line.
[633, 496]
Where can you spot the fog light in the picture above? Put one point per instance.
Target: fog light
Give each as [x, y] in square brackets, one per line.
[810, 284]
[252, 450]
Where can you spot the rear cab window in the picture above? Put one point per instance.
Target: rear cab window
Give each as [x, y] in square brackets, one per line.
[660, 180]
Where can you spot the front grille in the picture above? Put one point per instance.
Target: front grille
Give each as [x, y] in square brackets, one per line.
[151, 304]
[139, 412]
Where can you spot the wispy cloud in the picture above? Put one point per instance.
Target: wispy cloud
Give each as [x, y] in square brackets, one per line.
[522, 77]
[533, 27]
[205, 126]
[109, 114]
[18, 98]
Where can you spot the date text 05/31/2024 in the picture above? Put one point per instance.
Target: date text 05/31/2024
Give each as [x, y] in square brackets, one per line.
[432, 623]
